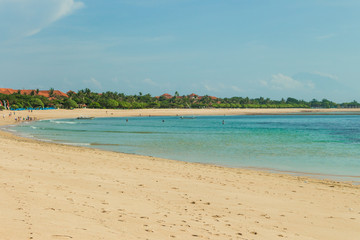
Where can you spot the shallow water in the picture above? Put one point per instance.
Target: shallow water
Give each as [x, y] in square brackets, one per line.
[325, 144]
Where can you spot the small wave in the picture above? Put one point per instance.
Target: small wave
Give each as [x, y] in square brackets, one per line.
[42, 139]
[76, 144]
[104, 144]
[64, 130]
[33, 127]
[62, 122]
[134, 132]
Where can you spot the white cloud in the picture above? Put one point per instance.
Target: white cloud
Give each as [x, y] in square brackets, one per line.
[22, 18]
[211, 88]
[150, 82]
[310, 85]
[93, 83]
[220, 87]
[264, 83]
[236, 89]
[65, 7]
[282, 82]
[327, 75]
[32, 32]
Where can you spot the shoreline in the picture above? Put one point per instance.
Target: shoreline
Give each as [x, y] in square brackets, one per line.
[57, 191]
[350, 179]
[260, 170]
[309, 175]
[65, 113]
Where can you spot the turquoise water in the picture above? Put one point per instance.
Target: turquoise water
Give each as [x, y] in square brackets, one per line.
[326, 144]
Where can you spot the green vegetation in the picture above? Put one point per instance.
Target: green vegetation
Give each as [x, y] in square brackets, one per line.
[114, 100]
[17, 100]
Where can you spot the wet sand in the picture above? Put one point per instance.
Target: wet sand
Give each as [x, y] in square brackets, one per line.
[54, 191]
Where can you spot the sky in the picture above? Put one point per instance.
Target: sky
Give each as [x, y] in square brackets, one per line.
[251, 48]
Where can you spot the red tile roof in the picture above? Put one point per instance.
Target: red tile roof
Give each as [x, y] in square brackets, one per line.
[167, 96]
[7, 91]
[45, 93]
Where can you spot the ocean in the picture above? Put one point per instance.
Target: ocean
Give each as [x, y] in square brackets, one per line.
[325, 146]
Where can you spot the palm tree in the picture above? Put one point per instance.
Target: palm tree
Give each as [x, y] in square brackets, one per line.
[51, 92]
[87, 92]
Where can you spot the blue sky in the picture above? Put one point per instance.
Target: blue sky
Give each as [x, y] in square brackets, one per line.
[278, 49]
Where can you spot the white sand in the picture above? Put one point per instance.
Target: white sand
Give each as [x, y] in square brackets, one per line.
[53, 191]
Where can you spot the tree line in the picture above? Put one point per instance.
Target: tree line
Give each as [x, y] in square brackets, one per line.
[114, 100]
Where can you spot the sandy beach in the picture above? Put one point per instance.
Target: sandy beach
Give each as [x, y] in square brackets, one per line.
[54, 191]
[5, 119]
